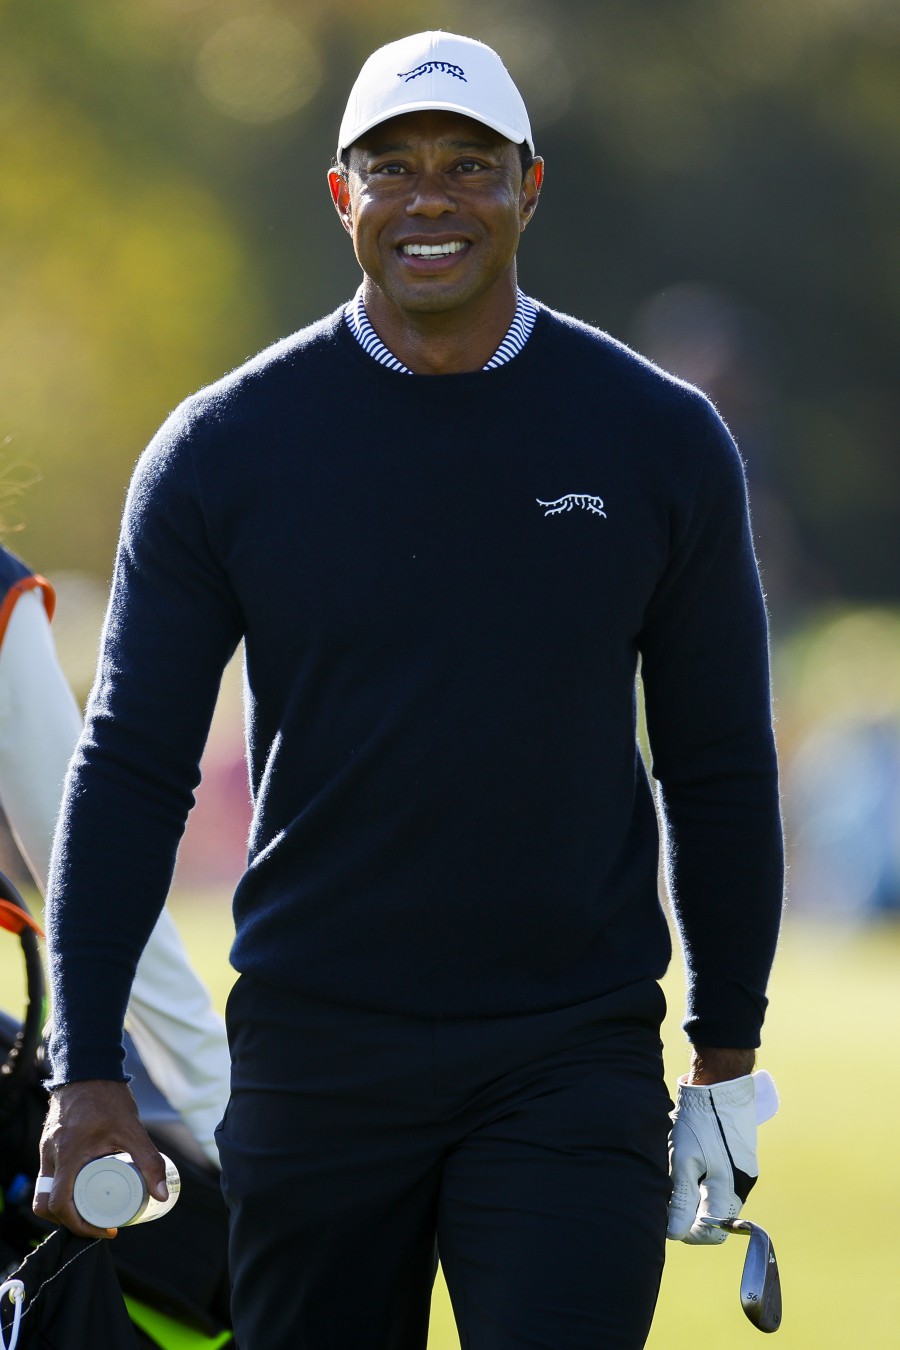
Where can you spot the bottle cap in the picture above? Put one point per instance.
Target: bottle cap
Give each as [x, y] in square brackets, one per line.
[109, 1192]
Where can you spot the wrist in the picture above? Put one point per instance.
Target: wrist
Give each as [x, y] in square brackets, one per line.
[715, 1064]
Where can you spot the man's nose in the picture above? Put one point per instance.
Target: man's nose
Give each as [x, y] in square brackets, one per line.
[432, 196]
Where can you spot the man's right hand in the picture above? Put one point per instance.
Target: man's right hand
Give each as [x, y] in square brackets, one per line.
[85, 1121]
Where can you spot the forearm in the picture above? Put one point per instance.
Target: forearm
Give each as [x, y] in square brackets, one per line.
[725, 873]
[110, 873]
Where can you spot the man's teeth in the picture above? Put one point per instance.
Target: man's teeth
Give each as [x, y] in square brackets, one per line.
[432, 250]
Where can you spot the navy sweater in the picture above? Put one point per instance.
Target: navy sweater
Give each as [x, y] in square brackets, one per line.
[445, 585]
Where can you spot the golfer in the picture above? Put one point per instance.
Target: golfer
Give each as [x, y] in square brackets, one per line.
[451, 526]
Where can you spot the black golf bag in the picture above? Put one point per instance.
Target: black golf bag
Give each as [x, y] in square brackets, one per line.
[172, 1272]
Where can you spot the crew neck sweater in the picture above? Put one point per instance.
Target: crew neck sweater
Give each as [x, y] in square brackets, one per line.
[445, 586]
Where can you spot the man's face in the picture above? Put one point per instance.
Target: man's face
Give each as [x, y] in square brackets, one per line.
[435, 204]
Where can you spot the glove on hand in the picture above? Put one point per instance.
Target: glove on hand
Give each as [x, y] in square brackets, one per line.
[712, 1152]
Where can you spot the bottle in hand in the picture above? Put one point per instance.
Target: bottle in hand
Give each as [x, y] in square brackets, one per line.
[111, 1192]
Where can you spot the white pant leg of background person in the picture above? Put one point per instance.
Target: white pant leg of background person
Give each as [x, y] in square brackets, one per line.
[179, 1035]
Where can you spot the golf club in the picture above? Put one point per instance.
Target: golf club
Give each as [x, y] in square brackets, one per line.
[760, 1281]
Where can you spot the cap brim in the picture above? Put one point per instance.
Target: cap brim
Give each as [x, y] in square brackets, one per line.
[511, 133]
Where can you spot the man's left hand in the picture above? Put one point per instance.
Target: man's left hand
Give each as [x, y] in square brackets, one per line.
[712, 1146]
[712, 1156]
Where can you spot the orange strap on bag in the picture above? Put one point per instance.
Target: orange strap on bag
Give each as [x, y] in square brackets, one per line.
[15, 919]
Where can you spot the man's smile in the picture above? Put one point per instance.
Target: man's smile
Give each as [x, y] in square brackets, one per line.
[444, 250]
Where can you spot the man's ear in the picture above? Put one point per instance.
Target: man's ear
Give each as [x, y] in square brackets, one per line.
[531, 190]
[340, 195]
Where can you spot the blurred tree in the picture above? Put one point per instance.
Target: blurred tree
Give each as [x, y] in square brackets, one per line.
[124, 277]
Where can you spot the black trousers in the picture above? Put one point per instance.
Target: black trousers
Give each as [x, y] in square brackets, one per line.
[530, 1152]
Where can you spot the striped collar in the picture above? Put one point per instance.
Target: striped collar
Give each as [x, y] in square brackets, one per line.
[519, 333]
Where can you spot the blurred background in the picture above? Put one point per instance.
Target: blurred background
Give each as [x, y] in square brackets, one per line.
[722, 193]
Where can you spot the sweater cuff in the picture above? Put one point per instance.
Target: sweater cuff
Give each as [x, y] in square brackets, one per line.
[724, 1014]
[90, 1060]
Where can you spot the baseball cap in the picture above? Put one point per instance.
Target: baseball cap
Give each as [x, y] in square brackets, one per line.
[435, 70]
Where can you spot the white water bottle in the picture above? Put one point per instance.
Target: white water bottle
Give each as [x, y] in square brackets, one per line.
[111, 1192]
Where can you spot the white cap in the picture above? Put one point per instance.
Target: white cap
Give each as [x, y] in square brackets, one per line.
[435, 70]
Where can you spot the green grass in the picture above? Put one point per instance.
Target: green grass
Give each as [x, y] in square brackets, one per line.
[829, 1192]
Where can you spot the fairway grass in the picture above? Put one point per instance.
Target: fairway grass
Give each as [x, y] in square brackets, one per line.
[829, 1192]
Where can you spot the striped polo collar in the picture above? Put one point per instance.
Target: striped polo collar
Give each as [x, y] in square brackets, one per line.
[519, 332]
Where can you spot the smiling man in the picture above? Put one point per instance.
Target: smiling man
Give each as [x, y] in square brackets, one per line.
[450, 525]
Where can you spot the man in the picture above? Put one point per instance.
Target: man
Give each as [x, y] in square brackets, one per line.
[448, 524]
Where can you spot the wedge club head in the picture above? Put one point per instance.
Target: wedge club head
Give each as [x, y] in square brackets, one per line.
[760, 1280]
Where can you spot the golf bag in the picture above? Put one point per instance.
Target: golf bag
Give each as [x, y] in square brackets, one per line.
[171, 1273]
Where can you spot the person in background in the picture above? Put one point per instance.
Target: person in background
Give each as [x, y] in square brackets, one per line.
[179, 1036]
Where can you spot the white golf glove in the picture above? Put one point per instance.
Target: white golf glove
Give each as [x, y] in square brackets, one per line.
[712, 1152]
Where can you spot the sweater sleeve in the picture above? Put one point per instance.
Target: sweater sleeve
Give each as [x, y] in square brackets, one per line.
[705, 670]
[171, 626]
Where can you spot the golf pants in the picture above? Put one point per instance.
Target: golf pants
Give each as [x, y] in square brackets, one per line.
[530, 1152]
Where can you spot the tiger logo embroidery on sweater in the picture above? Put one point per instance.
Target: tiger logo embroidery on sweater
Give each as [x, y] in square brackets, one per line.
[573, 499]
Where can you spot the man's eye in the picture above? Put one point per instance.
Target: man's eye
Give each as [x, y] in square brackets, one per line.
[389, 169]
[469, 166]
